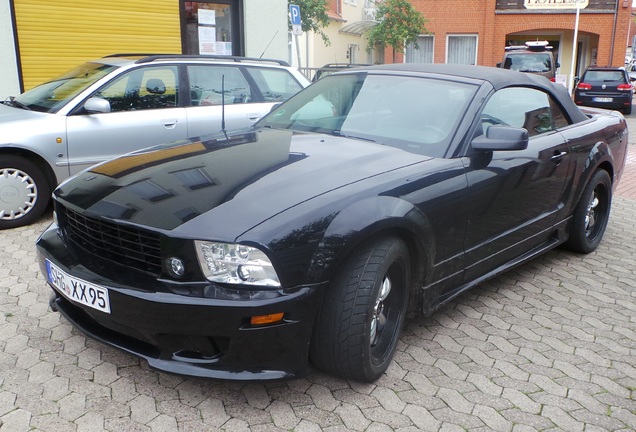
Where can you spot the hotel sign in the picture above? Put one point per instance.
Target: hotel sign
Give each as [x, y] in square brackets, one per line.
[555, 4]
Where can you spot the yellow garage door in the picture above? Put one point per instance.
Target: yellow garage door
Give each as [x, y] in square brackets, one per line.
[55, 36]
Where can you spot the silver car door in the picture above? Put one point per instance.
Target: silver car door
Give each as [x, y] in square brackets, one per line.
[144, 111]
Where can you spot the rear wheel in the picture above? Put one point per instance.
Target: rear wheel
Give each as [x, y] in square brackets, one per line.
[591, 214]
[24, 192]
[363, 312]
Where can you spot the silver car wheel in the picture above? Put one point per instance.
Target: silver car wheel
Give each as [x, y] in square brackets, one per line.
[590, 216]
[18, 193]
[379, 318]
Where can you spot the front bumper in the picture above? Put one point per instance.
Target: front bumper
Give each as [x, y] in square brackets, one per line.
[188, 335]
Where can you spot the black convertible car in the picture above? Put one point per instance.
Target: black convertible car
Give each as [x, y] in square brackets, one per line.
[371, 195]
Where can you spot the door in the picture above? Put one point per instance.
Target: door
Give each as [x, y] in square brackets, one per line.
[515, 195]
[144, 111]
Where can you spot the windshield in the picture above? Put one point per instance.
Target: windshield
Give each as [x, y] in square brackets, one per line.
[53, 95]
[525, 62]
[415, 114]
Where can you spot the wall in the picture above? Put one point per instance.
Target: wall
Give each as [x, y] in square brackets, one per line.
[265, 29]
[479, 17]
[9, 84]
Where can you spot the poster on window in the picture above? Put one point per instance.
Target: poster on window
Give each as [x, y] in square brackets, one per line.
[207, 16]
[224, 48]
[207, 40]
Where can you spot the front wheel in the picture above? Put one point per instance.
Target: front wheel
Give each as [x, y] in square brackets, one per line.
[591, 214]
[24, 192]
[363, 312]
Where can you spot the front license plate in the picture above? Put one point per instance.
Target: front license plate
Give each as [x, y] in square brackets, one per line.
[78, 290]
[602, 99]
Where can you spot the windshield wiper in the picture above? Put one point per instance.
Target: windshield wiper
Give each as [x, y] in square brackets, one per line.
[12, 102]
[344, 135]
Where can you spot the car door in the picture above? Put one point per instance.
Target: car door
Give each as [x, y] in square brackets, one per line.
[514, 196]
[219, 91]
[144, 111]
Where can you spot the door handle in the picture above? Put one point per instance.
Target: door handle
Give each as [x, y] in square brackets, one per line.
[558, 156]
[169, 124]
[254, 116]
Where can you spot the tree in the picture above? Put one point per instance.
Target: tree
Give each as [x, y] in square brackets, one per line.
[313, 16]
[398, 25]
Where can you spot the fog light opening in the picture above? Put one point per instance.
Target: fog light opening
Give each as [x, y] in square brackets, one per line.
[176, 267]
[267, 319]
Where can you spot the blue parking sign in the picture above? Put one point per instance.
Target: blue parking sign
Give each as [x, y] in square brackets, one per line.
[294, 10]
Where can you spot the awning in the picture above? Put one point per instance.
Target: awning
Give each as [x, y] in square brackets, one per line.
[358, 27]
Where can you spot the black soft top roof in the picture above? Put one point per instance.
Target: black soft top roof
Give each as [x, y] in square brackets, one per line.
[498, 77]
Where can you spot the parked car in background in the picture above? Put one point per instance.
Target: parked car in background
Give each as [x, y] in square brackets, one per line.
[312, 234]
[330, 68]
[117, 104]
[605, 87]
[534, 57]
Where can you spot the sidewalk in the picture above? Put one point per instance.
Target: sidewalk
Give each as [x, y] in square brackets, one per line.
[627, 185]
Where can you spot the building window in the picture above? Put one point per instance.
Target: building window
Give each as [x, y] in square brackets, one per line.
[461, 49]
[211, 28]
[424, 52]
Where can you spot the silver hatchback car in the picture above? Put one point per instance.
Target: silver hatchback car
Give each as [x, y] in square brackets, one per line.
[118, 104]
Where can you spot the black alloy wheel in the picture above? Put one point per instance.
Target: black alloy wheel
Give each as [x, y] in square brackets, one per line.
[591, 214]
[363, 312]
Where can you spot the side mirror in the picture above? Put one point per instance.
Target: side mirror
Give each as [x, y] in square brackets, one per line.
[557, 65]
[275, 106]
[97, 105]
[499, 64]
[502, 138]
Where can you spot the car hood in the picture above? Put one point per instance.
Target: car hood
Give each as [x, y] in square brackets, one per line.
[10, 114]
[17, 125]
[225, 185]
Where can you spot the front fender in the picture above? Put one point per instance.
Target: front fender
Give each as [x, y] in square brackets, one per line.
[369, 218]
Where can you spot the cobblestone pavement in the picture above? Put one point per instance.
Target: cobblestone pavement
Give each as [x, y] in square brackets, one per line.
[550, 346]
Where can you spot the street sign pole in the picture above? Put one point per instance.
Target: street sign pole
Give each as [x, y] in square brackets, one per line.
[294, 12]
[574, 48]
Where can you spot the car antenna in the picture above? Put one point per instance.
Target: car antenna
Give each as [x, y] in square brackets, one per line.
[270, 42]
[223, 107]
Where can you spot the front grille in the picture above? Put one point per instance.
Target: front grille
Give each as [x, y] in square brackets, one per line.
[129, 246]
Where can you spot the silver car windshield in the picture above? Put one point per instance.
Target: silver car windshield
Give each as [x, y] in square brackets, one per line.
[419, 115]
[53, 95]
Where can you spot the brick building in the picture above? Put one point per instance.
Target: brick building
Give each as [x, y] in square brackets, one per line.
[476, 31]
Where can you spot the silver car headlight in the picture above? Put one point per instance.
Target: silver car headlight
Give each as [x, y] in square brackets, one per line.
[235, 264]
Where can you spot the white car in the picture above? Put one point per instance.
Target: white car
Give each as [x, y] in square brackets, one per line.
[117, 104]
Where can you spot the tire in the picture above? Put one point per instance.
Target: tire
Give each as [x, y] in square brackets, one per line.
[24, 192]
[627, 110]
[359, 324]
[591, 214]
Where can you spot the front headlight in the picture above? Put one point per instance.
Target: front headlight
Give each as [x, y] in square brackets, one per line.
[235, 264]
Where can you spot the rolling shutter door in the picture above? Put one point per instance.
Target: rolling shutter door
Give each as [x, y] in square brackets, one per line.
[55, 36]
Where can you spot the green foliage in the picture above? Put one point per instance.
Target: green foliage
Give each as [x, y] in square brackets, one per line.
[399, 24]
[313, 16]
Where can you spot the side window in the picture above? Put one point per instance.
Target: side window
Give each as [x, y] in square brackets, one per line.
[207, 86]
[144, 88]
[276, 85]
[523, 107]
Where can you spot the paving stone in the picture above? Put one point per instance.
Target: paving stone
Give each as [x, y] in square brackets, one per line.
[548, 346]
